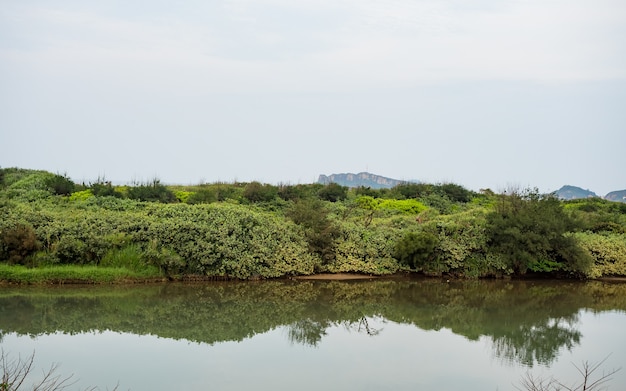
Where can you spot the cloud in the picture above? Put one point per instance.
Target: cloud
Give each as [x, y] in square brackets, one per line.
[277, 45]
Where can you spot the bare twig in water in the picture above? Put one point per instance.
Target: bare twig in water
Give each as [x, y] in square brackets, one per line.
[586, 370]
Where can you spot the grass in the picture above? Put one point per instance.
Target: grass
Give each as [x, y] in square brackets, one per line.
[63, 274]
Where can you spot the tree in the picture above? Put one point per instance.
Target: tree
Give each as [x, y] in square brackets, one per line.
[454, 192]
[257, 192]
[333, 192]
[416, 249]
[530, 231]
[60, 185]
[320, 232]
[103, 188]
[17, 243]
[152, 192]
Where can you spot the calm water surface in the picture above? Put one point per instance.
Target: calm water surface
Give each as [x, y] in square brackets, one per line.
[311, 335]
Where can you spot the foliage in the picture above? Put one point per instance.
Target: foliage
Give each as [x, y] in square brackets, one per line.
[529, 231]
[151, 192]
[362, 250]
[17, 243]
[183, 196]
[81, 195]
[333, 192]
[204, 195]
[454, 192]
[320, 232]
[103, 188]
[411, 190]
[60, 185]
[237, 230]
[607, 250]
[298, 192]
[462, 247]
[416, 249]
[257, 192]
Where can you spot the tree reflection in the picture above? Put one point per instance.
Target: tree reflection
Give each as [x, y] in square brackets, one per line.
[538, 343]
[527, 322]
[306, 332]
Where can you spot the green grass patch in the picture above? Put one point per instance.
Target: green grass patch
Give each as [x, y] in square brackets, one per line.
[18, 274]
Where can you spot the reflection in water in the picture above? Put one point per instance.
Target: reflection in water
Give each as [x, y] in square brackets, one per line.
[306, 332]
[527, 322]
[538, 343]
[309, 332]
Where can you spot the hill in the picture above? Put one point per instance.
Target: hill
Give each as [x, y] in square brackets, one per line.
[364, 179]
[573, 192]
[617, 196]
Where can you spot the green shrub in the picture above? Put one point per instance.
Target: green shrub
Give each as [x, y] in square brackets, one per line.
[608, 251]
[151, 192]
[299, 192]
[333, 192]
[365, 250]
[410, 206]
[60, 185]
[102, 188]
[320, 231]
[129, 256]
[454, 192]
[81, 195]
[183, 196]
[204, 195]
[527, 227]
[416, 249]
[257, 192]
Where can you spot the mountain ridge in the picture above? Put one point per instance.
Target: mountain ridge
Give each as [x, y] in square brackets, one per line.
[367, 179]
[364, 179]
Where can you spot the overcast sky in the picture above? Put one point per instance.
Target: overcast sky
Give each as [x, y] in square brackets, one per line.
[483, 93]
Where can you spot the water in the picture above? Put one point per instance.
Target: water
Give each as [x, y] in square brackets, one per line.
[311, 335]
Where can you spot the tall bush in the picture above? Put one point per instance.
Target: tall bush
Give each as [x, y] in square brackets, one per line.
[17, 243]
[530, 230]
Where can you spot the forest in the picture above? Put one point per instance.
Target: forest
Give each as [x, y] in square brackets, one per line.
[53, 230]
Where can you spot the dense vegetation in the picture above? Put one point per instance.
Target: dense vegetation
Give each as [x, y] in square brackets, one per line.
[98, 231]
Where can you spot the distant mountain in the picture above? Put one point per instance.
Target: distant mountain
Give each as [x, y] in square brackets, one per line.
[364, 179]
[617, 196]
[572, 192]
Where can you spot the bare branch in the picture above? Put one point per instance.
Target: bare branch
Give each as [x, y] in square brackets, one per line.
[586, 370]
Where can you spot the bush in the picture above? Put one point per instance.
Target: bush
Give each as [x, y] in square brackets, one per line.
[362, 250]
[257, 192]
[416, 249]
[608, 252]
[151, 192]
[60, 185]
[333, 192]
[102, 188]
[411, 190]
[17, 243]
[454, 192]
[529, 230]
[204, 195]
[320, 232]
[298, 192]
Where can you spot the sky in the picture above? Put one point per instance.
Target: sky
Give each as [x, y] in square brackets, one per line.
[485, 93]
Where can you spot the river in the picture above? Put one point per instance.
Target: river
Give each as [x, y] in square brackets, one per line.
[380, 334]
